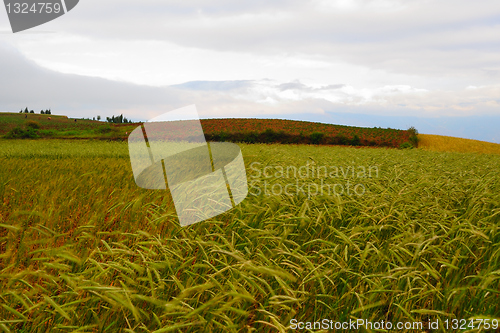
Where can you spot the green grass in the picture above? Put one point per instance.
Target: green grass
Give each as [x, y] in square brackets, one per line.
[65, 128]
[83, 249]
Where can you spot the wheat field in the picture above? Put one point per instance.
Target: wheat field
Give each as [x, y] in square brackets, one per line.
[83, 249]
[452, 144]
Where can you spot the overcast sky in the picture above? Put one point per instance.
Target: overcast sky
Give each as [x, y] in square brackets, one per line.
[285, 58]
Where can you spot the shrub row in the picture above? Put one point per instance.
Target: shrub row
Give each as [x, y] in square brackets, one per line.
[22, 133]
[270, 136]
[30, 131]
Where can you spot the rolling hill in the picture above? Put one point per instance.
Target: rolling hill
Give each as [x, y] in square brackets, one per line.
[250, 131]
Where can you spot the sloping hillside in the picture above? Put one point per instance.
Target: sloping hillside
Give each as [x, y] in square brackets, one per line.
[452, 144]
[234, 130]
[292, 131]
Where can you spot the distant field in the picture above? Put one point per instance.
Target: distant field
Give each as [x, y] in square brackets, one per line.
[448, 143]
[234, 130]
[83, 249]
[292, 131]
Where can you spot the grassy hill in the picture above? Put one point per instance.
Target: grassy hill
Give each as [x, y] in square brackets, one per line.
[292, 131]
[62, 127]
[250, 131]
[235, 130]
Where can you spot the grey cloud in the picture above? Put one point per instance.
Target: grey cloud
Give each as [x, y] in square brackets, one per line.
[23, 83]
[197, 23]
[292, 86]
[445, 38]
[332, 87]
[300, 86]
[214, 85]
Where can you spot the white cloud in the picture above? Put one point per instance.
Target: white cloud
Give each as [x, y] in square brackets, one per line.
[270, 57]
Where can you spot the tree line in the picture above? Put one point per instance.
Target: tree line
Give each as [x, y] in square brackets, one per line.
[118, 120]
[114, 119]
[31, 111]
